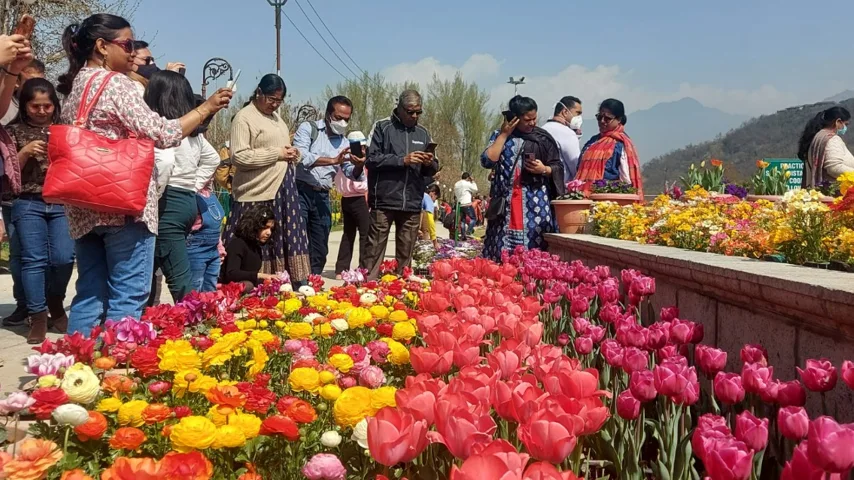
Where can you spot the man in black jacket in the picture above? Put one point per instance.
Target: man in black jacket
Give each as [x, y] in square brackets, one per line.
[398, 168]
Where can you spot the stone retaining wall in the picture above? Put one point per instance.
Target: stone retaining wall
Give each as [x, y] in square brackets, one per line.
[795, 312]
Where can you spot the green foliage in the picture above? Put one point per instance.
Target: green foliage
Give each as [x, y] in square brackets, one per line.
[774, 181]
[710, 178]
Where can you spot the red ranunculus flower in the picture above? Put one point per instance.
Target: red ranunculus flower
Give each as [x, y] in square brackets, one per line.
[47, 399]
[301, 412]
[280, 425]
[145, 361]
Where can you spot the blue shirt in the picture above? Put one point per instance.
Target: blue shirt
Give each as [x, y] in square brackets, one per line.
[324, 146]
[428, 205]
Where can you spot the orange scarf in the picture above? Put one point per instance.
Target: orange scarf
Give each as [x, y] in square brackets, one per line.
[592, 164]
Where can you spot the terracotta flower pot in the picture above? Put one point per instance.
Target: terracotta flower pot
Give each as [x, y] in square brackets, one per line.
[827, 200]
[571, 214]
[621, 199]
[770, 198]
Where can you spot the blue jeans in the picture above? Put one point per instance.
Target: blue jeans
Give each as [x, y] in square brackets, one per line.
[204, 262]
[468, 211]
[317, 215]
[14, 258]
[114, 267]
[47, 252]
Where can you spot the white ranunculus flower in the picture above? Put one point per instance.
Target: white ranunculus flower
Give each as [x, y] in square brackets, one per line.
[330, 439]
[70, 414]
[286, 288]
[368, 299]
[311, 317]
[360, 433]
[340, 325]
[307, 291]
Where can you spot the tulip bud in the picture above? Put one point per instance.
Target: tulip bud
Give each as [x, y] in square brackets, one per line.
[563, 339]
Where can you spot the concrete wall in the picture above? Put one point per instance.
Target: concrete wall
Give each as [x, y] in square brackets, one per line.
[797, 313]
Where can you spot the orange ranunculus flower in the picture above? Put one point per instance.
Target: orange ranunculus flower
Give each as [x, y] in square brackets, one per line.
[716, 163]
[156, 413]
[35, 457]
[118, 384]
[133, 469]
[227, 399]
[93, 429]
[251, 474]
[105, 363]
[75, 474]
[301, 412]
[127, 438]
[186, 466]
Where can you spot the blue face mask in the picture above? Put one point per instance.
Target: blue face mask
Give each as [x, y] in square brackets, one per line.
[842, 131]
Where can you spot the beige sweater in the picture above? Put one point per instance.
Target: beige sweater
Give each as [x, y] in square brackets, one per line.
[837, 158]
[256, 146]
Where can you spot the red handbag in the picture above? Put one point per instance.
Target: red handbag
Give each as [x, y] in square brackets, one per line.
[90, 171]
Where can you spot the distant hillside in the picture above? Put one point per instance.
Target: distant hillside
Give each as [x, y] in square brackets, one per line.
[839, 97]
[667, 126]
[768, 136]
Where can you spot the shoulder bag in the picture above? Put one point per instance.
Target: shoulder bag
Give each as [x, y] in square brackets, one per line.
[498, 205]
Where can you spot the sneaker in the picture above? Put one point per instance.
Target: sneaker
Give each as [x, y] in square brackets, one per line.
[17, 318]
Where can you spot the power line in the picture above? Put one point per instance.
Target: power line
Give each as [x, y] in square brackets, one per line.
[334, 38]
[312, 47]
[322, 37]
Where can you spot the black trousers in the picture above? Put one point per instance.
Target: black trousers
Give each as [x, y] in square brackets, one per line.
[406, 234]
[357, 219]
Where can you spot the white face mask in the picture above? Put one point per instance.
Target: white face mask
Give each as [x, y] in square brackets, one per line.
[339, 127]
[576, 122]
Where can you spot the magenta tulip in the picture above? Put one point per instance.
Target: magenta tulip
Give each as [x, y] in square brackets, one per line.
[583, 345]
[729, 460]
[669, 313]
[752, 431]
[831, 445]
[642, 385]
[791, 394]
[710, 360]
[819, 375]
[754, 354]
[794, 422]
[755, 377]
[671, 378]
[635, 359]
[848, 373]
[628, 407]
[800, 468]
[681, 331]
[728, 388]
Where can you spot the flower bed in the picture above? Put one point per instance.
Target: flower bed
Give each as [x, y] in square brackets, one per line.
[801, 229]
[425, 253]
[534, 369]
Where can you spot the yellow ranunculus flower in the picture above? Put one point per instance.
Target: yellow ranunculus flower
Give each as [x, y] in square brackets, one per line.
[48, 381]
[304, 380]
[249, 424]
[324, 330]
[380, 312]
[109, 405]
[398, 354]
[263, 336]
[330, 392]
[250, 324]
[280, 324]
[193, 433]
[352, 406]
[259, 358]
[217, 418]
[263, 324]
[130, 414]
[326, 377]
[342, 361]
[229, 436]
[388, 278]
[292, 305]
[403, 331]
[81, 384]
[178, 355]
[299, 331]
[359, 317]
[398, 316]
[382, 397]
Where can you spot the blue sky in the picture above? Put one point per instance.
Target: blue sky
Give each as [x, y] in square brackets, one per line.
[742, 56]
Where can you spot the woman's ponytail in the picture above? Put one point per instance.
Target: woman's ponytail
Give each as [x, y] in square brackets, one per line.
[76, 58]
[78, 41]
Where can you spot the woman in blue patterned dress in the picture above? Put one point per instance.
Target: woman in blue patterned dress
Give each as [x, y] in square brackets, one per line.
[528, 175]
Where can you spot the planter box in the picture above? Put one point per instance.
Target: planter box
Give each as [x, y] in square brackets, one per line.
[797, 313]
[621, 199]
[571, 215]
[770, 198]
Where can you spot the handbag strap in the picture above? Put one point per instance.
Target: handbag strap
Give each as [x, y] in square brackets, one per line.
[85, 108]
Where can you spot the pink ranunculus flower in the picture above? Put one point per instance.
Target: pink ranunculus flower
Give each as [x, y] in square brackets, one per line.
[819, 375]
[794, 422]
[324, 466]
[710, 360]
[15, 402]
[131, 330]
[831, 445]
[395, 437]
[752, 431]
[848, 373]
[372, 376]
[728, 388]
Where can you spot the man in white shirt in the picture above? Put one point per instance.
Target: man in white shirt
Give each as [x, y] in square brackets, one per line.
[463, 190]
[565, 128]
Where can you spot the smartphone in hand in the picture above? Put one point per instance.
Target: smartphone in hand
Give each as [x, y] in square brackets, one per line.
[508, 116]
[356, 149]
[25, 26]
[431, 148]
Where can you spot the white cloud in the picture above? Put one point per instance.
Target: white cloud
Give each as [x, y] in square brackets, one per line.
[478, 67]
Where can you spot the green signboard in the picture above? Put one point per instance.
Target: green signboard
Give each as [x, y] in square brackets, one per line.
[793, 165]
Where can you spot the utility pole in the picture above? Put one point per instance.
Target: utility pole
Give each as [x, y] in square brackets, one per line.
[278, 4]
[516, 84]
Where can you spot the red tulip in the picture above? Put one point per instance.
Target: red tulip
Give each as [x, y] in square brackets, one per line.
[395, 437]
[755, 377]
[728, 388]
[791, 394]
[681, 331]
[800, 468]
[628, 407]
[462, 427]
[505, 361]
[848, 373]
[794, 422]
[699, 333]
[754, 354]
[752, 431]
[710, 360]
[831, 445]
[642, 385]
[635, 359]
[498, 461]
[671, 378]
[819, 375]
[515, 401]
[548, 435]
[546, 471]
[466, 353]
[583, 345]
[669, 313]
[418, 402]
[429, 360]
[729, 460]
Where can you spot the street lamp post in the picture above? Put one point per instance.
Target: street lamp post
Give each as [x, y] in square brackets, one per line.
[278, 4]
[213, 69]
[516, 84]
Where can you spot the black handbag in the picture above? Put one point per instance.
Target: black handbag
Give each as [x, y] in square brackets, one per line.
[498, 205]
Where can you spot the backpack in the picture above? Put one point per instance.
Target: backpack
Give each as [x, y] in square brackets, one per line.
[450, 221]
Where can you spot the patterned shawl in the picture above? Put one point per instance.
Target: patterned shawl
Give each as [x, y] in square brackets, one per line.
[814, 166]
[592, 165]
[11, 168]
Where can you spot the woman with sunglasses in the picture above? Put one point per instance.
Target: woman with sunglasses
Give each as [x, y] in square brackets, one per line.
[610, 155]
[265, 176]
[115, 253]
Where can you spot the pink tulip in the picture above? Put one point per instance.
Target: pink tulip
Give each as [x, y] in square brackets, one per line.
[755, 377]
[563, 339]
[681, 331]
[754, 354]
[462, 427]
[498, 461]
[848, 373]
[671, 378]
[819, 375]
[710, 360]
[613, 353]
[794, 422]
[752, 431]
[831, 445]
[466, 353]
[699, 333]
[628, 407]
[668, 352]
[609, 292]
[507, 362]
[642, 286]
[548, 436]
[771, 392]
[418, 402]
[791, 394]
[642, 385]
[729, 460]
[429, 360]
[395, 437]
[800, 468]
[658, 336]
[669, 314]
[691, 395]
[515, 401]
[580, 325]
[728, 388]
[583, 345]
[635, 359]
[610, 313]
[546, 471]
[630, 334]
[710, 429]
[597, 333]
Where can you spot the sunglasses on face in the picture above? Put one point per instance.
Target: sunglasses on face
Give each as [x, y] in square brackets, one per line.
[412, 113]
[147, 60]
[126, 45]
[604, 118]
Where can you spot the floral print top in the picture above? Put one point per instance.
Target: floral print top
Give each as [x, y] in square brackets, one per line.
[33, 172]
[120, 111]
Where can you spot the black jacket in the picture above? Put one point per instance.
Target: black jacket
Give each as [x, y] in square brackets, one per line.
[391, 184]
